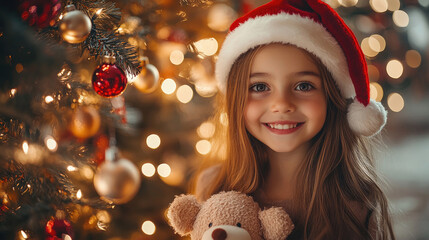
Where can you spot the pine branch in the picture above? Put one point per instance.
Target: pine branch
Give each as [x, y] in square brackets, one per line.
[109, 16]
[101, 43]
[196, 3]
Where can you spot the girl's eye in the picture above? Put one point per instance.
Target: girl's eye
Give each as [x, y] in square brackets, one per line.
[305, 87]
[259, 87]
[210, 225]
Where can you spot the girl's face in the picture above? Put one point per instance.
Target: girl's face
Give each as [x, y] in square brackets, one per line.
[286, 103]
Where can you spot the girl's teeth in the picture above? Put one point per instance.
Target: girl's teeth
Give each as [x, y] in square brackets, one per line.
[281, 126]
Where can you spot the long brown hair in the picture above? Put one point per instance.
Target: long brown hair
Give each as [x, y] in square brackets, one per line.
[338, 168]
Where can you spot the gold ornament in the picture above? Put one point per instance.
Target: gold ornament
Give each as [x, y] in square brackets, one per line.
[117, 181]
[75, 25]
[85, 122]
[148, 79]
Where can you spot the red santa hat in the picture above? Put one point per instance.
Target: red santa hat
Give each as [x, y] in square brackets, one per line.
[315, 27]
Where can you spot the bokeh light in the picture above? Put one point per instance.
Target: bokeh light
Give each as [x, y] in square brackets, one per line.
[168, 86]
[203, 147]
[393, 5]
[376, 91]
[348, 3]
[220, 17]
[207, 46]
[379, 6]
[206, 130]
[177, 57]
[153, 141]
[413, 58]
[366, 48]
[400, 18]
[148, 169]
[395, 102]
[373, 73]
[184, 94]
[164, 170]
[394, 69]
[148, 227]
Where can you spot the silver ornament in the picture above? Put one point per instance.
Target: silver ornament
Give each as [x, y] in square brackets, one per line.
[75, 25]
[117, 181]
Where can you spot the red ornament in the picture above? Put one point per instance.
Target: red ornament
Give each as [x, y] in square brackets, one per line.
[109, 80]
[56, 229]
[39, 13]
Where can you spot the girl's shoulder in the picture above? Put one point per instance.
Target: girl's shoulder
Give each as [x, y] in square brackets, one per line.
[205, 179]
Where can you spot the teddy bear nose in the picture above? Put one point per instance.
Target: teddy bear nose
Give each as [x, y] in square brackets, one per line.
[219, 234]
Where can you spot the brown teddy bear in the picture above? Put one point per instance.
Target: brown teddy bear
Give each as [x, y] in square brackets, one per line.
[228, 215]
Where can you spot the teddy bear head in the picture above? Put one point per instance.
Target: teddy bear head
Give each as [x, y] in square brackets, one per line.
[227, 215]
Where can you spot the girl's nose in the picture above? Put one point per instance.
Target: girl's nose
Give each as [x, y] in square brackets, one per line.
[282, 103]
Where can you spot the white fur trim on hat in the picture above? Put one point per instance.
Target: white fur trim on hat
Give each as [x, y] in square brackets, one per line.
[288, 29]
[368, 120]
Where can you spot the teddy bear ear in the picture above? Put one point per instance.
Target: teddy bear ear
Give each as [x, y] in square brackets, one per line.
[182, 213]
[276, 223]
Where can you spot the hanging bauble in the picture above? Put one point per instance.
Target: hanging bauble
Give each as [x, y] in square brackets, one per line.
[109, 80]
[39, 13]
[75, 25]
[58, 229]
[117, 181]
[85, 122]
[148, 79]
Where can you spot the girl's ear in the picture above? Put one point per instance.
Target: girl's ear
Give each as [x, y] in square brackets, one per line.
[182, 213]
[276, 223]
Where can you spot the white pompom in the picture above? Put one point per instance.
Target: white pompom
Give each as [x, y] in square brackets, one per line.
[368, 120]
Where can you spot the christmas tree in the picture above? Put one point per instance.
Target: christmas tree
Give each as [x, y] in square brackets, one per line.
[105, 106]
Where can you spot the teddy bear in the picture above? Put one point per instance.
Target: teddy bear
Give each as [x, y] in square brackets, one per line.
[227, 215]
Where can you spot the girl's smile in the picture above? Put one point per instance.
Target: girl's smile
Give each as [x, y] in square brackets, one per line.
[286, 103]
[283, 127]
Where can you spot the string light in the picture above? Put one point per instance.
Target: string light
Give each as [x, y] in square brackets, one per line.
[395, 102]
[164, 170]
[148, 227]
[25, 147]
[153, 141]
[79, 194]
[184, 94]
[23, 234]
[12, 92]
[148, 169]
[203, 147]
[99, 11]
[168, 86]
[71, 168]
[51, 144]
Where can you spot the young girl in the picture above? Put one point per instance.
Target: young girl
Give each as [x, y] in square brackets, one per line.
[299, 122]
